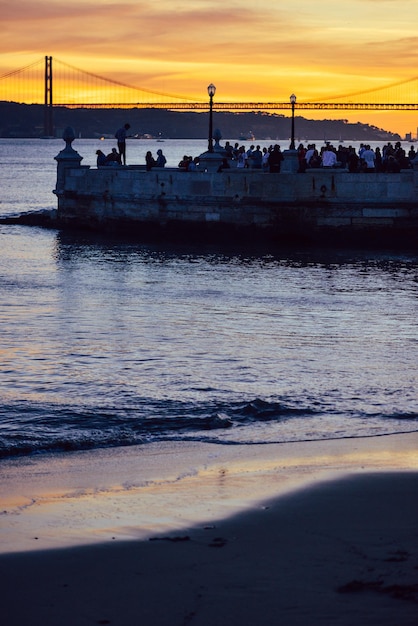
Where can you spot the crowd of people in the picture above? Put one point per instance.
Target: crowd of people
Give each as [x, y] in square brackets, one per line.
[267, 159]
[391, 158]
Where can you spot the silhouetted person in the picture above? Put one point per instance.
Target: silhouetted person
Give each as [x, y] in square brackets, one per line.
[369, 159]
[101, 158]
[121, 138]
[275, 160]
[329, 158]
[149, 161]
[193, 165]
[113, 158]
[161, 160]
[353, 162]
[257, 158]
[379, 160]
[184, 163]
[224, 165]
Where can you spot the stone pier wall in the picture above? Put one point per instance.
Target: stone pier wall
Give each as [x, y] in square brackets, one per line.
[317, 202]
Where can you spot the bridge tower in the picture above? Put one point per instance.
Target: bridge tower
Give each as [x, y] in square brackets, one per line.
[48, 105]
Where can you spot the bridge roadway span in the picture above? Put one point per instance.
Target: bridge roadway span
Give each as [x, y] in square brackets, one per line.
[250, 106]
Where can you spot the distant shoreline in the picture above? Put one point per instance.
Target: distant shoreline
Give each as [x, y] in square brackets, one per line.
[26, 121]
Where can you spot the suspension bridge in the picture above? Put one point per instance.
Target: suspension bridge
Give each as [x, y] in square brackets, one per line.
[72, 87]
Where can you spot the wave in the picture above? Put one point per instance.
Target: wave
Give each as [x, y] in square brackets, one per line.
[28, 428]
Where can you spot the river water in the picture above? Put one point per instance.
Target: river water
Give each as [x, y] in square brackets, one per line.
[107, 342]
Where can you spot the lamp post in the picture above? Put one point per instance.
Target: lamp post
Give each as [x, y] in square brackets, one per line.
[211, 92]
[292, 138]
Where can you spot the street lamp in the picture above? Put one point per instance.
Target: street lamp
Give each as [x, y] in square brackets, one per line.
[292, 139]
[211, 92]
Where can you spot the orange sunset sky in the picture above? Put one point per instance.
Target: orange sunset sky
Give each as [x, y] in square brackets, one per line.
[251, 51]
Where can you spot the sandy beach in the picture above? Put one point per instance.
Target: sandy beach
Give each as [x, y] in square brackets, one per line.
[315, 533]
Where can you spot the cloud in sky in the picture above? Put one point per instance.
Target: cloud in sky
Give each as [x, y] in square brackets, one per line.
[250, 50]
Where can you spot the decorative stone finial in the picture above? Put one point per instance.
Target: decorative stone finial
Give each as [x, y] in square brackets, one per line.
[68, 135]
[69, 153]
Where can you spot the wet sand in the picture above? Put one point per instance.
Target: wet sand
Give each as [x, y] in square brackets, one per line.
[306, 534]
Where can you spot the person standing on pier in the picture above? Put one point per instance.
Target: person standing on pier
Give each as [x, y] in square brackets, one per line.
[329, 158]
[161, 160]
[121, 138]
[275, 160]
[369, 159]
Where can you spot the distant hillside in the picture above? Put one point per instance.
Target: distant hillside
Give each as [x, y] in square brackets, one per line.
[24, 120]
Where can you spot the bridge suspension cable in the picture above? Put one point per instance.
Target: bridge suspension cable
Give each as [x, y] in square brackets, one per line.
[77, 88]
[125, 85]
[22, 69]
[371, 90]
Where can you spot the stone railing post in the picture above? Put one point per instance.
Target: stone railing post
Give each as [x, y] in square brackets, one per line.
[290, 163]
[210, 161]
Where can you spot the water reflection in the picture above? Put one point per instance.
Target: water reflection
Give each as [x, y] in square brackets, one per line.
[110, 248]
